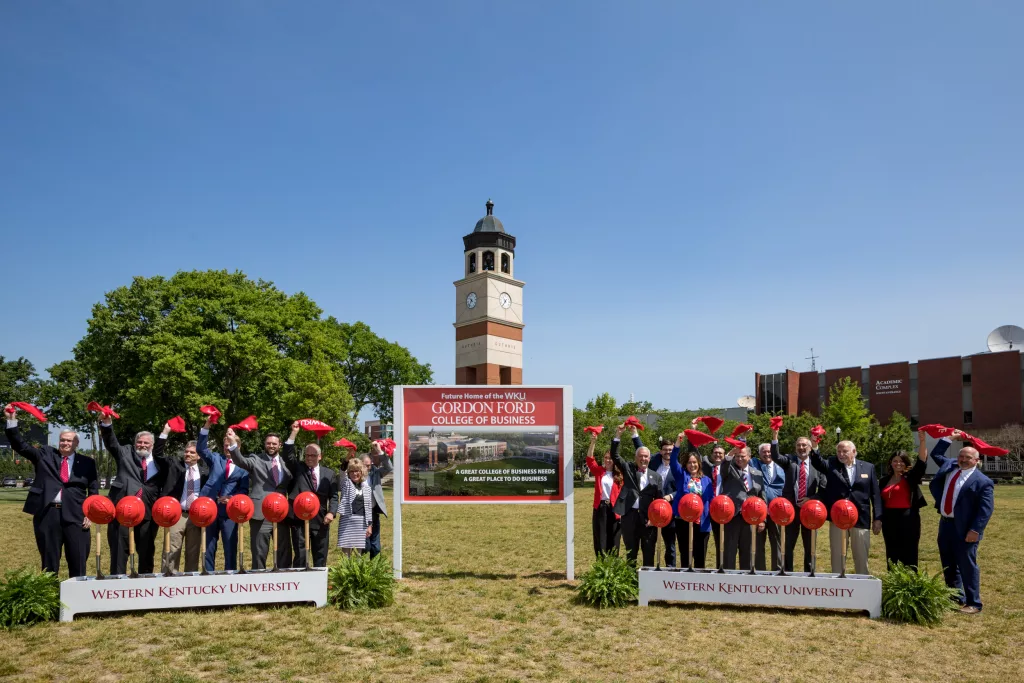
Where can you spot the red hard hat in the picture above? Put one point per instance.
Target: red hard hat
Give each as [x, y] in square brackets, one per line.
[691, 507]
[98, 509]
[130, 511]
[722, 509]
[659, 514]
[754, 510]
[240, 508]
[275, 507]
[844, 514]
[166, 511]
[813, 514]
[202, 512]
[307, 505]
[781, 511]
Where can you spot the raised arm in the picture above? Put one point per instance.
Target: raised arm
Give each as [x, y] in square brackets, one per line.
[203, 445]
[673, 461]
[777, 457]
[109, 438]
[246, 462]
[18, 443]
[940, 448]
[288, 451]
[616, 458]
[161, 443]
[817, 462]
[595, 469]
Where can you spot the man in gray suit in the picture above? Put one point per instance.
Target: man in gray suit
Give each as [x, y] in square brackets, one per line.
[378, 465]
[267, 474]
[740, 480]
[802, 484]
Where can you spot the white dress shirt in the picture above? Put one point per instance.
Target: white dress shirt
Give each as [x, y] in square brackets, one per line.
[607, 481]
[963, 475]
[851, 470]
[642, 476]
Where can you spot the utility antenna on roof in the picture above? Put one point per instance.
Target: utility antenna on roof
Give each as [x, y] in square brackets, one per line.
[1006, 338]
[812, 358]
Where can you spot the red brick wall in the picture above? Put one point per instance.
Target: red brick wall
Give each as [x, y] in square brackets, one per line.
[809, 393]
[995, 389]
[792, 391]
[890, 390]
[940, 391]
[833, 376]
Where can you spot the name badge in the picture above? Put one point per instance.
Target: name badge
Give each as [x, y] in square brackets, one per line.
[863, 476]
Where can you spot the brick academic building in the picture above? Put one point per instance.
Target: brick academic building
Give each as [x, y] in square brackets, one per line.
[983, 391]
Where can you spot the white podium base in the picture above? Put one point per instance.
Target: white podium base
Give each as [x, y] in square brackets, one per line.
[89, 595]
[734, 587]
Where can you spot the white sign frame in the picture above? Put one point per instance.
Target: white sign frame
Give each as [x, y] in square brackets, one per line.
[398, 460]
[794, 589]
[120, 593]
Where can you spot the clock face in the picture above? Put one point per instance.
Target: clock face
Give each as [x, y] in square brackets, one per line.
[505, 300]
[471, 300]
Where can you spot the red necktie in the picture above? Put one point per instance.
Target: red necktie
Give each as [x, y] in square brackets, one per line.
[746, 481]
[802, 490]
[65, 474]
[312, 474]
[227, 469]
[144, 478]
[714, 480]
[947, 506]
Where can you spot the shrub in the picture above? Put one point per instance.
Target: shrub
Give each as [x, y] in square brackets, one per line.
[28, 597]
[912, 596]
[357, 582]
[610, 582]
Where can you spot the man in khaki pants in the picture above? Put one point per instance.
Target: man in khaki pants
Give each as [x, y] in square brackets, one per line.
[184, 482]
[852, 479]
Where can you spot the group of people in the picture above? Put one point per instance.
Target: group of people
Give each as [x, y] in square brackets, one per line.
[64, 478]
[623, 492]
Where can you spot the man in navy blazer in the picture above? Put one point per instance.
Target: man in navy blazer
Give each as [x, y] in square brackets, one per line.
[848, 477]
[63, 479]
[225, 480]
[964, 498]
[659, 464]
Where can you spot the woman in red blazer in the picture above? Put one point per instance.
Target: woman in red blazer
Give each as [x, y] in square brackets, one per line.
[607, 483]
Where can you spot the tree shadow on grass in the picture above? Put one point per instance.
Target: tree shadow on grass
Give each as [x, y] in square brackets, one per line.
[488, 576]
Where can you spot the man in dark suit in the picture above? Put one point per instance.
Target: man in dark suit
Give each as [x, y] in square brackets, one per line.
[267, 474]
[184, 481]
[226, 479]
[138, 474]
[802, 484]
[847, 477]
[640, 487]
[740, 480]
[63, 479]
[376, 472]
[309, 475]
[964, 498]
[660, 464]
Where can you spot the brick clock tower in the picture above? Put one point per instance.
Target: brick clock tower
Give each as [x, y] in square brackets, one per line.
[489, 308]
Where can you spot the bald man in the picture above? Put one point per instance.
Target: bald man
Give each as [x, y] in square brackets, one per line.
[310, 475]
[964, 498]
[850, 478]
[63, 479]
[640, 487]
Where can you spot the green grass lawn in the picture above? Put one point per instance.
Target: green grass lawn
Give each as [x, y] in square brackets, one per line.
[485, 599]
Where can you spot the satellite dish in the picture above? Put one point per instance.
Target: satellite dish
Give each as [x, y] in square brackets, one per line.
[747, 402]
[1006, 338]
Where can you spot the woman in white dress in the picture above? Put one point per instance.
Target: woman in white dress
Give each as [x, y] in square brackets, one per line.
[355, 509]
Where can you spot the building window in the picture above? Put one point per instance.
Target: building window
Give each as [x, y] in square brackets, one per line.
[472, 263]
[968, 417]
[505, 263]
[967, 379]
[488, 263]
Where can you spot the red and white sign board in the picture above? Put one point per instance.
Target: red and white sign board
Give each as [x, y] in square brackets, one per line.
[89, 595]
[853, 592]
[483, 444]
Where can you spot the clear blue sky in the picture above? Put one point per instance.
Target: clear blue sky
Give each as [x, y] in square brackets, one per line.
[699, 190]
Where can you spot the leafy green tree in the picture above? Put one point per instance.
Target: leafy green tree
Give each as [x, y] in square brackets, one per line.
[164, 346]
[372, 366]
[892, 438]
[18, 382]
[846, 409]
